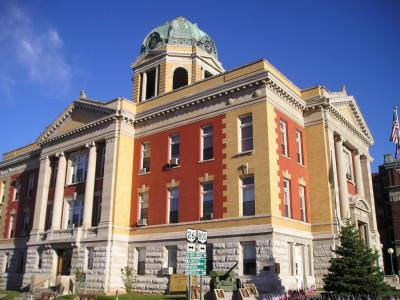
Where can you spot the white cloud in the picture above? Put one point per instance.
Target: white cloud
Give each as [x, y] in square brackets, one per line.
[39, 52]
[7, 85]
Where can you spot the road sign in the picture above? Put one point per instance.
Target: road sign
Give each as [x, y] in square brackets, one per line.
[191, 235]
[191, 247]
[202, 236]
[195, 267]
[195, 261]
[195, 255]
[201, 248]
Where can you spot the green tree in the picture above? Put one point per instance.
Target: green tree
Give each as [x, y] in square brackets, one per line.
[128, 275]
[354, 269]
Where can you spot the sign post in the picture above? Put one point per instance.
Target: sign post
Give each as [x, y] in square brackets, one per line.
[196, 256]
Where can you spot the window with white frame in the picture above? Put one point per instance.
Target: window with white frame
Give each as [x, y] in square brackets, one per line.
[248, 197]
[207, 193]
[78, 167]
[145, 162]
[141, 261]
[286, 198]
[11, 225]
[90, 258]
[75, 213]
[284, 138]
[3, 191]
[246, 133]
[172, 254]
[17, 187]
[26, 220]
[143, 205]
[299, 147]
[207, 142]
[302, 196]
[249, 258]
[173, 198]
[348, 164]
[174, 142]
[31, 184]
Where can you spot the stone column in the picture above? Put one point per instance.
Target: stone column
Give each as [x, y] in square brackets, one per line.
[342, 180]
[144, 85]
[59, 191]
[156, 82]
[358, 176]
[42, 195]
[90, 182]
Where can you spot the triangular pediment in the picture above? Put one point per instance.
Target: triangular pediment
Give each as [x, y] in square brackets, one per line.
[77, 114]
[349, 109]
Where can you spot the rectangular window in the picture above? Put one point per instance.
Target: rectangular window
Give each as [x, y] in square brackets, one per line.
[249, 258]
[172, 254]
[39, 259]
[299, 147]
[207, 142]
[284, 139]
[173, 196]
[11, 226]
[17, 187]
[174, 142]
[145, 163]
[286, 198]
[26, 221]
[141, 262]
[90, 258]
[3, 191]
[143, 205]
[248, 198]
[6, 262]
[96, 210]
[101, 158]
[246, 133]
[78, 167]
[75, 216]
[302, 195]
[348, 165]
[210, 258]
[207, 200]
[31, 184]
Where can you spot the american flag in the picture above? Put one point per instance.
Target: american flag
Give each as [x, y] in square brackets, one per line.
[394, 136]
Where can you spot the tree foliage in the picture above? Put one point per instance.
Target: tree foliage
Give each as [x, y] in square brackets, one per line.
[354, 269]
[128, 275]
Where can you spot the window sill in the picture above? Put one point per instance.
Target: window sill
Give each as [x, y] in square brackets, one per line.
[206, 160]
[301, 165]
[285, 156]
[74, 183]
[173, 167]
[244, 153]
[142, 174]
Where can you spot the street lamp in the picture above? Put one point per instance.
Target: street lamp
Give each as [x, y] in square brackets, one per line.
[390, 251]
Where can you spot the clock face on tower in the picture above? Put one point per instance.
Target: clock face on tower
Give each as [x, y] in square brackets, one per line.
[154, 41]
[208, 46]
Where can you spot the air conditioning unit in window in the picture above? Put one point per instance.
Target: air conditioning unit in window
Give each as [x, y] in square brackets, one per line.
[142, 222]
[143, 171]
[174, 162]
[167, 271]
[207, 217]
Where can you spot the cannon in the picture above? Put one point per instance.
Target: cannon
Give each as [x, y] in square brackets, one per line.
[224, 280]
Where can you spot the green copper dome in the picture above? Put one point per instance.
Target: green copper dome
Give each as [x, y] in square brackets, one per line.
[179, 31]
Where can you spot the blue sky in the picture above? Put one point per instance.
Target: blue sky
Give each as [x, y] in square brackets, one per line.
[49, 50]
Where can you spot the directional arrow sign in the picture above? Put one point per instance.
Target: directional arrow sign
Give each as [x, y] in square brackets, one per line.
[191, 247]
[201, 248]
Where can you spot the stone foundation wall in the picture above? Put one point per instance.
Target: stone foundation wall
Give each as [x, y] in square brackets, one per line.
[322, 256]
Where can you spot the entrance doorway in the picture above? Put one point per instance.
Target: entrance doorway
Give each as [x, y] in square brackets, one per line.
[64, 257]
[298, 254]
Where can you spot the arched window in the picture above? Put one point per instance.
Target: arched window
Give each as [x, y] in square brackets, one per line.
[180, 78]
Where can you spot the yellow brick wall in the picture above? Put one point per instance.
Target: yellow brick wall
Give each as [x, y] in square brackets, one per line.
[318, 159]
[262, 163]
[136, 88]
[123, 181]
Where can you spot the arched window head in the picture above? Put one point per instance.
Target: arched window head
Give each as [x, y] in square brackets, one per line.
[180, 78]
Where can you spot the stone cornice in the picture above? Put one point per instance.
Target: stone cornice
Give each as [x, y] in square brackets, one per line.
[259, 79]
[19, 159]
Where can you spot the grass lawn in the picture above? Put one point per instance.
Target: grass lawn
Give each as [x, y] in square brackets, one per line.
[9, 294]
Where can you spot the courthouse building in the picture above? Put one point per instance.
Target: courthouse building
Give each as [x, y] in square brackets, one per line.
[268, 169]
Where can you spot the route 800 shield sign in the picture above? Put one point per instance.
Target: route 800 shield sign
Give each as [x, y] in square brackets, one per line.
[202, 236]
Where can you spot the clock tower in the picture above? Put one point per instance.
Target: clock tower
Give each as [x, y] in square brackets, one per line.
[173, 55]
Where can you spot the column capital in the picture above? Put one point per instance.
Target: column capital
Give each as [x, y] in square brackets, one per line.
[338, 139]
[90, 144]
[44, 158]
[60, 154]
